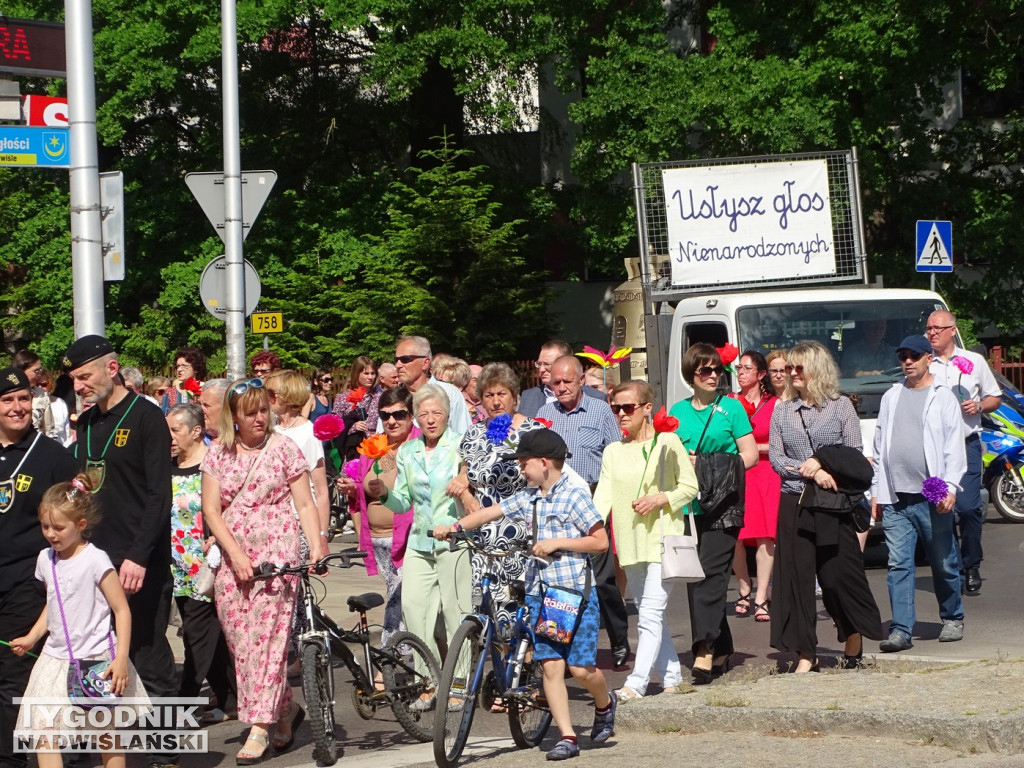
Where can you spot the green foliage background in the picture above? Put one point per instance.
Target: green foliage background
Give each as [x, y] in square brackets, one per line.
[382, 222]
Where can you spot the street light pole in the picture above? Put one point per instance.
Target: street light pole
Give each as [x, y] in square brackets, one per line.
[84, 177]
[234, 275]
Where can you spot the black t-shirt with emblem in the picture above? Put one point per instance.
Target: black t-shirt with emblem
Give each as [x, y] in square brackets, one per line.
[21, 537]
[134, 444]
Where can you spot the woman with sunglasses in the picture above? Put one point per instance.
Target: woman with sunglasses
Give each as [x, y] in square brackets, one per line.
[815, 416]
[381, 531]
[320, 386]
[251, 476]
[761, 508]
[711, 423]
[646, 481]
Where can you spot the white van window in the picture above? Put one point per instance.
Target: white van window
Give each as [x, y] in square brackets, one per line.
[862, 335]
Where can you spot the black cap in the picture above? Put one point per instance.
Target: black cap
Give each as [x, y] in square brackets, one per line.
[12, 379]
[85, 350]
[917, 344]
[540, 443]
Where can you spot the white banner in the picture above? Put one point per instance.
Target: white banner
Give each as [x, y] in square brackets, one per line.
[741, 223]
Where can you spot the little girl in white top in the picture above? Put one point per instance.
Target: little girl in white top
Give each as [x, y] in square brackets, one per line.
[90, 592]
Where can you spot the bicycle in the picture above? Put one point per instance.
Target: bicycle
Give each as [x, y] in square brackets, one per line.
[517, 679]
[408, 668]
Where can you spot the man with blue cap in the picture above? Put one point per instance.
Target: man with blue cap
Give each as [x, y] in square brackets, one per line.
[919, 459]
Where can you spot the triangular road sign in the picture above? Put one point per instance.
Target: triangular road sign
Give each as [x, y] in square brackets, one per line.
[208, 190]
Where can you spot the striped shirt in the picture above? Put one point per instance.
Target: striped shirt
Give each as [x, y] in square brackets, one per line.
[835, 423]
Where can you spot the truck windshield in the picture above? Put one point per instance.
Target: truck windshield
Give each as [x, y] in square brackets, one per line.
[862, 336]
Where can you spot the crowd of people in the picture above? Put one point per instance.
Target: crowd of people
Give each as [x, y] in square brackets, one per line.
[158, 481]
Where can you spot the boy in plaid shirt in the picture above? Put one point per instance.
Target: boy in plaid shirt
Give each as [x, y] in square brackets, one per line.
[568, 523]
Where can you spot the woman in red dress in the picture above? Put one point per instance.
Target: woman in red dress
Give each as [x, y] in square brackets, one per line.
[760, 518]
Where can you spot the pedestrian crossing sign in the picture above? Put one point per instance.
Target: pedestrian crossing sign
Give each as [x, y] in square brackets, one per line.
[934, 246]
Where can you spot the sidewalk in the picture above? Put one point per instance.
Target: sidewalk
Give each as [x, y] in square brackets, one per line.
[973, 707]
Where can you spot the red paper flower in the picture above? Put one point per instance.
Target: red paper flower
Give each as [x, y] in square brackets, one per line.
[355, 396]
[193, 386]
[728, 353]
[327, 427]
[665, 423]
[546, 422]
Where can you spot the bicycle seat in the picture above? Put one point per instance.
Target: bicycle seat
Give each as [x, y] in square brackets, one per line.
[365, 601]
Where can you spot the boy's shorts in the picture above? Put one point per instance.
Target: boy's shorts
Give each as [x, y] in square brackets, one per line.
[582, 651]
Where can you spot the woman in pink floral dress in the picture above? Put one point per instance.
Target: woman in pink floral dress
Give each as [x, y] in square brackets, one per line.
[249, 480]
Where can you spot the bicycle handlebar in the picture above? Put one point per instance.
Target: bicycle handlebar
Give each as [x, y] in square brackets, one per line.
[518, 545]
[269, 570]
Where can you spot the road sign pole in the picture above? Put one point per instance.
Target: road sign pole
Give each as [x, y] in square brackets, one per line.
[235, 277]
[86, 237]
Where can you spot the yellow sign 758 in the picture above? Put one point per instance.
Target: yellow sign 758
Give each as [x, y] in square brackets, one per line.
[267, 322]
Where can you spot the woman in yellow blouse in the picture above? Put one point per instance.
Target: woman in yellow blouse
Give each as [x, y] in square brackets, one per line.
[646, 481]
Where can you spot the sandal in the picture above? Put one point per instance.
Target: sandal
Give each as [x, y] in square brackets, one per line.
[249, 756]
[742, 608]
[283, 741]
[624, 694]
[761, 612]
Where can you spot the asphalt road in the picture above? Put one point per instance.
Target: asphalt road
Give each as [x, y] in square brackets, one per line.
[992, 630]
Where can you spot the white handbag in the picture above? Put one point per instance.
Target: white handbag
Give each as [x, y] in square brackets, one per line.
[680, 560]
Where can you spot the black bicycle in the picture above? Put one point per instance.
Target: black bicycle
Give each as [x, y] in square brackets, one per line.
[516, 679]
[409, 671]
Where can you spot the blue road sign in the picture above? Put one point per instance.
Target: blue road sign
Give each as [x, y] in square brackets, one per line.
[934, 246]
[34, 147]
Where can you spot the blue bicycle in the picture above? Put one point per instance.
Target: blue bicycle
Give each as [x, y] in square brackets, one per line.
[516, 682]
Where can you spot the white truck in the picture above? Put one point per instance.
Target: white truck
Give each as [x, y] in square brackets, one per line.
[763, 253]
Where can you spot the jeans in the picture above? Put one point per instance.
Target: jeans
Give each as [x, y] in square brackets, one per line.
[654, 648]
[912, 516]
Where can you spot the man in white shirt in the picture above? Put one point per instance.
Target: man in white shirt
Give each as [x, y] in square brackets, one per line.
[919, 435]
[967, 374]
[412, 359]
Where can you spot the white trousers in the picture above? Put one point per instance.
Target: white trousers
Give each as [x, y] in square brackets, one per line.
[655, 650]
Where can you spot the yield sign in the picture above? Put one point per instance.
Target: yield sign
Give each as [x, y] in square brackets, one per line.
[208, 190]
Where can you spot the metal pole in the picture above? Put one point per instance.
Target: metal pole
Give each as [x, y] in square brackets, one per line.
[84, 177]
[234, 275]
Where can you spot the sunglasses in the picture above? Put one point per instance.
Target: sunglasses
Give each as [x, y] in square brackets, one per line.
[707, 370]
[791, 369]
[906, 354]
[626, 408]
[160, 392]
[406, 359]
[398, 415]
[326, 380]
[244, 386]
[260, 371]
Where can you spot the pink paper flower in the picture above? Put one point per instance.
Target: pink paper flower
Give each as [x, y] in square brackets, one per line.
[963, 365]
[327, 427]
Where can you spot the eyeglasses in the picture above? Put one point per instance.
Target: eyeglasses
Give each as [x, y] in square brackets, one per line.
[398, 415]
[937, 328]
[777, 371]
[538, 365]
[406, 359]
[244, 386]
[626, 408]
[260, 371]
[906, 354]
[705, 371]
[791, 369]
[746, 367]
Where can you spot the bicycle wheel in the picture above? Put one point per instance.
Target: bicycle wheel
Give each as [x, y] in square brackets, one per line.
[528, 715]
[456, 695]
[316, 666]
[410, 671]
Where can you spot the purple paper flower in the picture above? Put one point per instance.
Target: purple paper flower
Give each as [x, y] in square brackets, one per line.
[934, 489]
[498, 429]
[965, 366]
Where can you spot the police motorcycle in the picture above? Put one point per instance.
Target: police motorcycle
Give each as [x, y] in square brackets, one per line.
[1002, 442]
